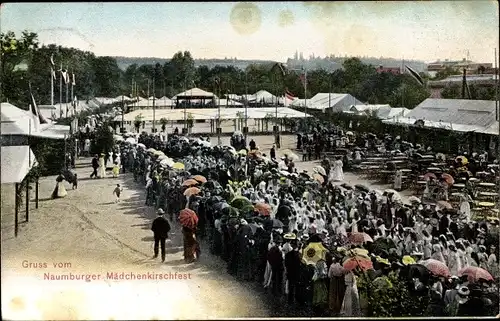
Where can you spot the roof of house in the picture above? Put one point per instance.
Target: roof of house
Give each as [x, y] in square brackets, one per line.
[194, 92]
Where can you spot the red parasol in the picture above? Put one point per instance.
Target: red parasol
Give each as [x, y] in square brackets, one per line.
[358, 262]
[263, 209]
[436, 267]
[200, 178]
[190, 182]
[448, 178]
[192, 191]
[188, 218]
[428, 176]
[319, 178]
[359, 238]
[475, 273]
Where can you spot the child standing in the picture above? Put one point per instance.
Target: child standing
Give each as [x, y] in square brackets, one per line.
[117, 191]
[116, 169]
[75, 182]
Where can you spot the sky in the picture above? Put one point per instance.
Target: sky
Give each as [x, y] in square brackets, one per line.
[421, 30]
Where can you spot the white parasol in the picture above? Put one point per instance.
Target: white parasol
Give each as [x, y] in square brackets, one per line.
[320, 170]
[141, 145]
[396, 197]
[131, 140]
[118, 138]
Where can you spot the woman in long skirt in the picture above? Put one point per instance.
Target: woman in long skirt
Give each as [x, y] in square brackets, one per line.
[59, 190]
[336, 294]
[350, 305]
[101, 173]
[190, 244]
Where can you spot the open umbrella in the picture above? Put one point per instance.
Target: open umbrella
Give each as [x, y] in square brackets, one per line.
[428, 176]
[362, 188]
[474, 274]
[230, 211]
[166, 163]
[349, 133]
[220, 206]
[320, 170]
[346, 186]
[118, 138]
[243, 152]
[277, 223]
[408, 260]
[414, 199]
[359, 238]
[162, 157]
[463, 159]
[291, 155]
[444, 204]
[141, 145]
[178, 166]
[436, 267]
[188, 218]
[263, 209]
[151, 150]
[448, 178]
[319, 178]
[313, 252]
[192, 191]
[190, 182]
[240, 201]
[200, 178]
[352, 263]
[131, 140]
[396, 197]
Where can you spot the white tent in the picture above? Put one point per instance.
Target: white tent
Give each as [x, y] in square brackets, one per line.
[194, 92]
[264, 97]
[323, 101]
[213, 113]
[16, 163]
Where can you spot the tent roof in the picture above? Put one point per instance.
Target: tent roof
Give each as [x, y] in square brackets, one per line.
[213, 113]
[194, 92]
[338, 102]
[476, 113]
[16, 163]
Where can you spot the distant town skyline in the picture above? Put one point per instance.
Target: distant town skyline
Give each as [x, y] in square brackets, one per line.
[425, 31]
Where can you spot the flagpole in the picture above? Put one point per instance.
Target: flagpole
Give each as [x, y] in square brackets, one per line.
[305, 93]
[72, 93]
[60, 93]
[148, 92]
[67, 92]
[52, 86]
[246, 105]
[154, 109]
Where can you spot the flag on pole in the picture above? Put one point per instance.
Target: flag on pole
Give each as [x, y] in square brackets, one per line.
[68, 78]
[36, 111]
[281, 67]
[415, 75]
[52, 71]
[64, 74]
[52, 61]
[73, 83]
[289, 95]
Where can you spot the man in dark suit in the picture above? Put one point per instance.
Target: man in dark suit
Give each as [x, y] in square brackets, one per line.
[95, 166]
[275, 258]
[160, 228]
[292, 265]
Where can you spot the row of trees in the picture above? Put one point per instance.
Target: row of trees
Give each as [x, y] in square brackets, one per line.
[25, 61]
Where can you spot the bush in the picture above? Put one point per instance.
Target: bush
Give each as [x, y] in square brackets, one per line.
[392, 301]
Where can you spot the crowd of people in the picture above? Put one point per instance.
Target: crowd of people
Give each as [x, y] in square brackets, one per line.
[331, 247]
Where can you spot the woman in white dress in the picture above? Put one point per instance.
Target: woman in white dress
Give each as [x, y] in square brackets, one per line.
[101, 172]
[398, 180]
[109, 162]
[464, 208]
[59, 190]
[350, 305]
[337, 173]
